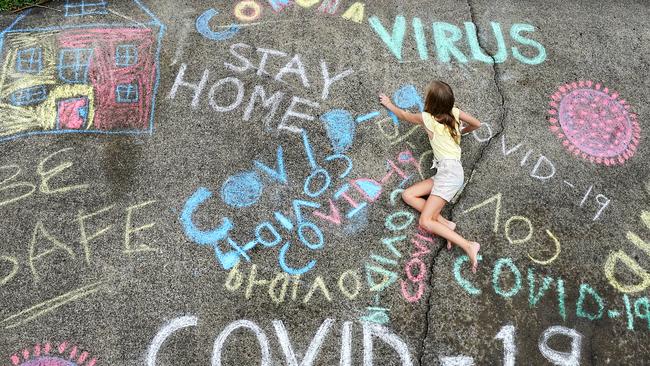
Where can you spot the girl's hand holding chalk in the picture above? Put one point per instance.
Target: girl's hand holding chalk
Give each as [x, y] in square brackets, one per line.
[385, 101]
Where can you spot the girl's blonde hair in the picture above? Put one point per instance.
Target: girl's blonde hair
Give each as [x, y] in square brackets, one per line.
[439, 103]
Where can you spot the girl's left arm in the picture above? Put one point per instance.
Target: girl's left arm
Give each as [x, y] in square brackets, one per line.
[472, 122]
[415, 118]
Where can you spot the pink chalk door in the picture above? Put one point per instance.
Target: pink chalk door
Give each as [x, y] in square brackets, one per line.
[72, 114]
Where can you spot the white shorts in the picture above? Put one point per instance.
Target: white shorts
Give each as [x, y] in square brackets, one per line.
[448, 180]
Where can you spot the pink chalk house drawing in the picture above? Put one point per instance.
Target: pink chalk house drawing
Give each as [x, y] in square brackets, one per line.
[91, 71]
[594, 123]
[48, 354]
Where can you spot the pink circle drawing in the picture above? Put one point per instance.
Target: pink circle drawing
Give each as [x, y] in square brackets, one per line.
[594, 123]
[50, 355]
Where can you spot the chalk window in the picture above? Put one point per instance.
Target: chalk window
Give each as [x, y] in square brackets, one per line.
[75, 8]
[29, 96]
[73, 65]
[126, 55]
[29, 60]
[126, 93]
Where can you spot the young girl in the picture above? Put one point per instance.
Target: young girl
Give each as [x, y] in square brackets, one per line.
[441, 120]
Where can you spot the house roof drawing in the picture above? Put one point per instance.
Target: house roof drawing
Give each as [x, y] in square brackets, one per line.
[83, 14]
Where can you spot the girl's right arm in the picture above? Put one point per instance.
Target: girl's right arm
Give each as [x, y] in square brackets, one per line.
[472, 123]
[415, 118]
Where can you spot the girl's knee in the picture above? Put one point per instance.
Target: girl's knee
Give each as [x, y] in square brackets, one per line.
[423, 221]
[406, 195]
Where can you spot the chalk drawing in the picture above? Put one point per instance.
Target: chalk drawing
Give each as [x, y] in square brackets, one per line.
[36, 253]
[257, 331]
[211, 237]
[329, 6]
[341, 126]
[74, 8]
[561, 358]
[395, 39]
[457, 361]
[590, 305]
[465, 284]
[348, 284]
[544, 170]
[238, 99]
[420, 39]
[445, 37]
[581, 312]
[643, 304]
[279, 173]
[534, 296]
[369, 188]
[278, 5]
[372, 333]
[242, 189]
[407, 97]
[515, 35]
[367, 117]
[248, 11]
[448, 37]
[314, 346]
[355, 12]
[296, 67]
[270, 103]
[172, 327]
[81, 77]
[477, 51]
[421, 243]
[318, 284]
[130, 248]
[203, 27]
[14, 269]
[594, 123]
[630, 263]
[381, 270]
[340, 129]
[541, 168]
[507, 335]
[329, 81]
[48, 354]
[47, 306]
[496, 199]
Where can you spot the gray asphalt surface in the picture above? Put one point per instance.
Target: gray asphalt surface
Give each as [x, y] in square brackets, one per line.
[239, 203]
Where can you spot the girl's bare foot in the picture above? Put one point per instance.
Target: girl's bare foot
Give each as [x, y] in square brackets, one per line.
[473, 254]
[452, 226]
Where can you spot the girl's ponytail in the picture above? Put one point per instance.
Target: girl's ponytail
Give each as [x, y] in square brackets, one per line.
[450, 122]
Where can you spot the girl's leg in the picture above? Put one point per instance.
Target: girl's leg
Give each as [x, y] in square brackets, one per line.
[429, 221]
[413, 196]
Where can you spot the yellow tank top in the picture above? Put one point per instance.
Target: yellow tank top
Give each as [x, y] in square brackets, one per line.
[442, 144]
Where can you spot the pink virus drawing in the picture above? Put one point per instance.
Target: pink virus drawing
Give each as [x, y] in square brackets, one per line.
[50, 355]
[594, 123]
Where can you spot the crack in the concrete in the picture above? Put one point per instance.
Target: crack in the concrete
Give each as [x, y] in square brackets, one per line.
[472, 169]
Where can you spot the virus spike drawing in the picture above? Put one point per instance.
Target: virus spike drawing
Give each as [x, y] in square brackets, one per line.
[50, 355]
[594, 123]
